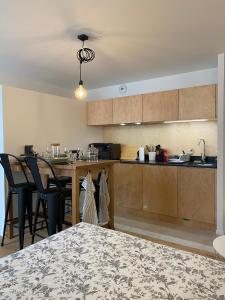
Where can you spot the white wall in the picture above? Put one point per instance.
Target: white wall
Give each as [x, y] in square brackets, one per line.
[177, 81]
[2, 186]
[41, 119]
[221, 146]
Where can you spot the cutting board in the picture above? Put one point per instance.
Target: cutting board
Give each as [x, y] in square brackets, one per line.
[129, 152]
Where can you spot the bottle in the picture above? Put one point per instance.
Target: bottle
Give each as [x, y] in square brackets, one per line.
[141, 153]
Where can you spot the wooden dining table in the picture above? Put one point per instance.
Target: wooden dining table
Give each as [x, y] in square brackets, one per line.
[76, 170]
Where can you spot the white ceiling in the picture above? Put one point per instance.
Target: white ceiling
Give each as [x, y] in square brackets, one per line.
[133, 40]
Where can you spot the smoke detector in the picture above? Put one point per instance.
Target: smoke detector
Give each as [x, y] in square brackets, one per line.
[122, 89]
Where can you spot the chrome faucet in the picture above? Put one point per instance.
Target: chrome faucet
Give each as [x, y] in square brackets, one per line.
[202, 154]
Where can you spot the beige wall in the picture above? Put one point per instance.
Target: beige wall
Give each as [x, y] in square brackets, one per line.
[174, 137]
[41, 119]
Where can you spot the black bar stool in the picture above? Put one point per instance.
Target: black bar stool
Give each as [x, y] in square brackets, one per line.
[63, 180]
[24, 192]
[55, 197]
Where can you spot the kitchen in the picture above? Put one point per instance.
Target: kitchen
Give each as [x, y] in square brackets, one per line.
[176, 191]
[114, 115]
[165, 218]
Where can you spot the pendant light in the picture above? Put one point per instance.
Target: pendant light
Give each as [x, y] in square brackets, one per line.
[84, 55]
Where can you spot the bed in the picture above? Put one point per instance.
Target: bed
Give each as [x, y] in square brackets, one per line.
[90, 262]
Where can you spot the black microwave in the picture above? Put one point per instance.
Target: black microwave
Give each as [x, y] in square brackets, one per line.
[108, 150]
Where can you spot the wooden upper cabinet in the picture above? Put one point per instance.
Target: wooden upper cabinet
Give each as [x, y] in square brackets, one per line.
[197, 103]
[127, 186]
[160, 190]
[196, 194]
[160, 106]
[127, 109]
[99, 112]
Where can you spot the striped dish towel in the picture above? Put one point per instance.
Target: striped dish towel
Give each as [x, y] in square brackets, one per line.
[103, 214]
[89, 207]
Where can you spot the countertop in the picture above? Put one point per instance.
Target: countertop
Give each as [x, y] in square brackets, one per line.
[191, 164]
[72, 166]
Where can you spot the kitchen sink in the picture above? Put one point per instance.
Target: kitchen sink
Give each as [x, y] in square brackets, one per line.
[202, 164]
[176, 161]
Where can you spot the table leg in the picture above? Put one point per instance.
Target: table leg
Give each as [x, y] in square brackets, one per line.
[111, 194]
[75, 198]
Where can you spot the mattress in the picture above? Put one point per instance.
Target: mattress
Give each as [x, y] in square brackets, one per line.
[90, 262]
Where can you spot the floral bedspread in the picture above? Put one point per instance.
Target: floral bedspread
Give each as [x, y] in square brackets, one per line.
[89, 262]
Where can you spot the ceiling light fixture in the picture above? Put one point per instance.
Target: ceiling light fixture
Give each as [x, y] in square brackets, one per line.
[84, 55]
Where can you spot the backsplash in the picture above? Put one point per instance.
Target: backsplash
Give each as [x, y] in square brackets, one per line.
[175, 137]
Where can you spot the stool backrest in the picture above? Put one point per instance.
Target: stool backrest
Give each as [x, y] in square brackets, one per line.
[32, 163]
[5, 162]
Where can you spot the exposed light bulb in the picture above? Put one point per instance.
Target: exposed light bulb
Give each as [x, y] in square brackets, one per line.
[81, 92]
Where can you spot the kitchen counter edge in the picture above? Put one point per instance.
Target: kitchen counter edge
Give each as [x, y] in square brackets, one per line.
[156, 163]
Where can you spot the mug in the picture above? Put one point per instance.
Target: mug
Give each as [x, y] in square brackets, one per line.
[152, 156]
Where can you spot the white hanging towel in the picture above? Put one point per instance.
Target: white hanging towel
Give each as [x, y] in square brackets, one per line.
[82, 197]
[89, 207]
[104, 199]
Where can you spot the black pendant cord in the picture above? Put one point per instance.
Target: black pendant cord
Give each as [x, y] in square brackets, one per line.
[80, 82]
[84, 55]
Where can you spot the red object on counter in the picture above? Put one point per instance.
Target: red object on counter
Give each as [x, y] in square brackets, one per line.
[165, 155]
[162, 155]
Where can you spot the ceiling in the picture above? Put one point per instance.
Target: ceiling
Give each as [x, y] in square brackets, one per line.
[133, 40]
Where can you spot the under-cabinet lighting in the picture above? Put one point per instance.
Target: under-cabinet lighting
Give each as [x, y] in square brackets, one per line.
[183, 121]
[138, 123]
[122, 124]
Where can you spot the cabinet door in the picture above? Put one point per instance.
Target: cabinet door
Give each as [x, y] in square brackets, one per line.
[162, 106]
[127, 109]
[99, 112]
[128, 186]
[197, 103]
[160, 190]
[196, 194]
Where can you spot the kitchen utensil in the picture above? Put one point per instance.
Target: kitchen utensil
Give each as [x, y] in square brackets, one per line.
[152, 156]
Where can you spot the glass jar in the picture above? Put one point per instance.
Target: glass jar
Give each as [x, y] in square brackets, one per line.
[93, 153]
[55, 149]
[88, 155]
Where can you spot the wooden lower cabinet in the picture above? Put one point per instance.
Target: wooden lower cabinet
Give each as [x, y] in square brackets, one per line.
[196, 194]
[160, 190]
[169, 193]
[128, 186]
